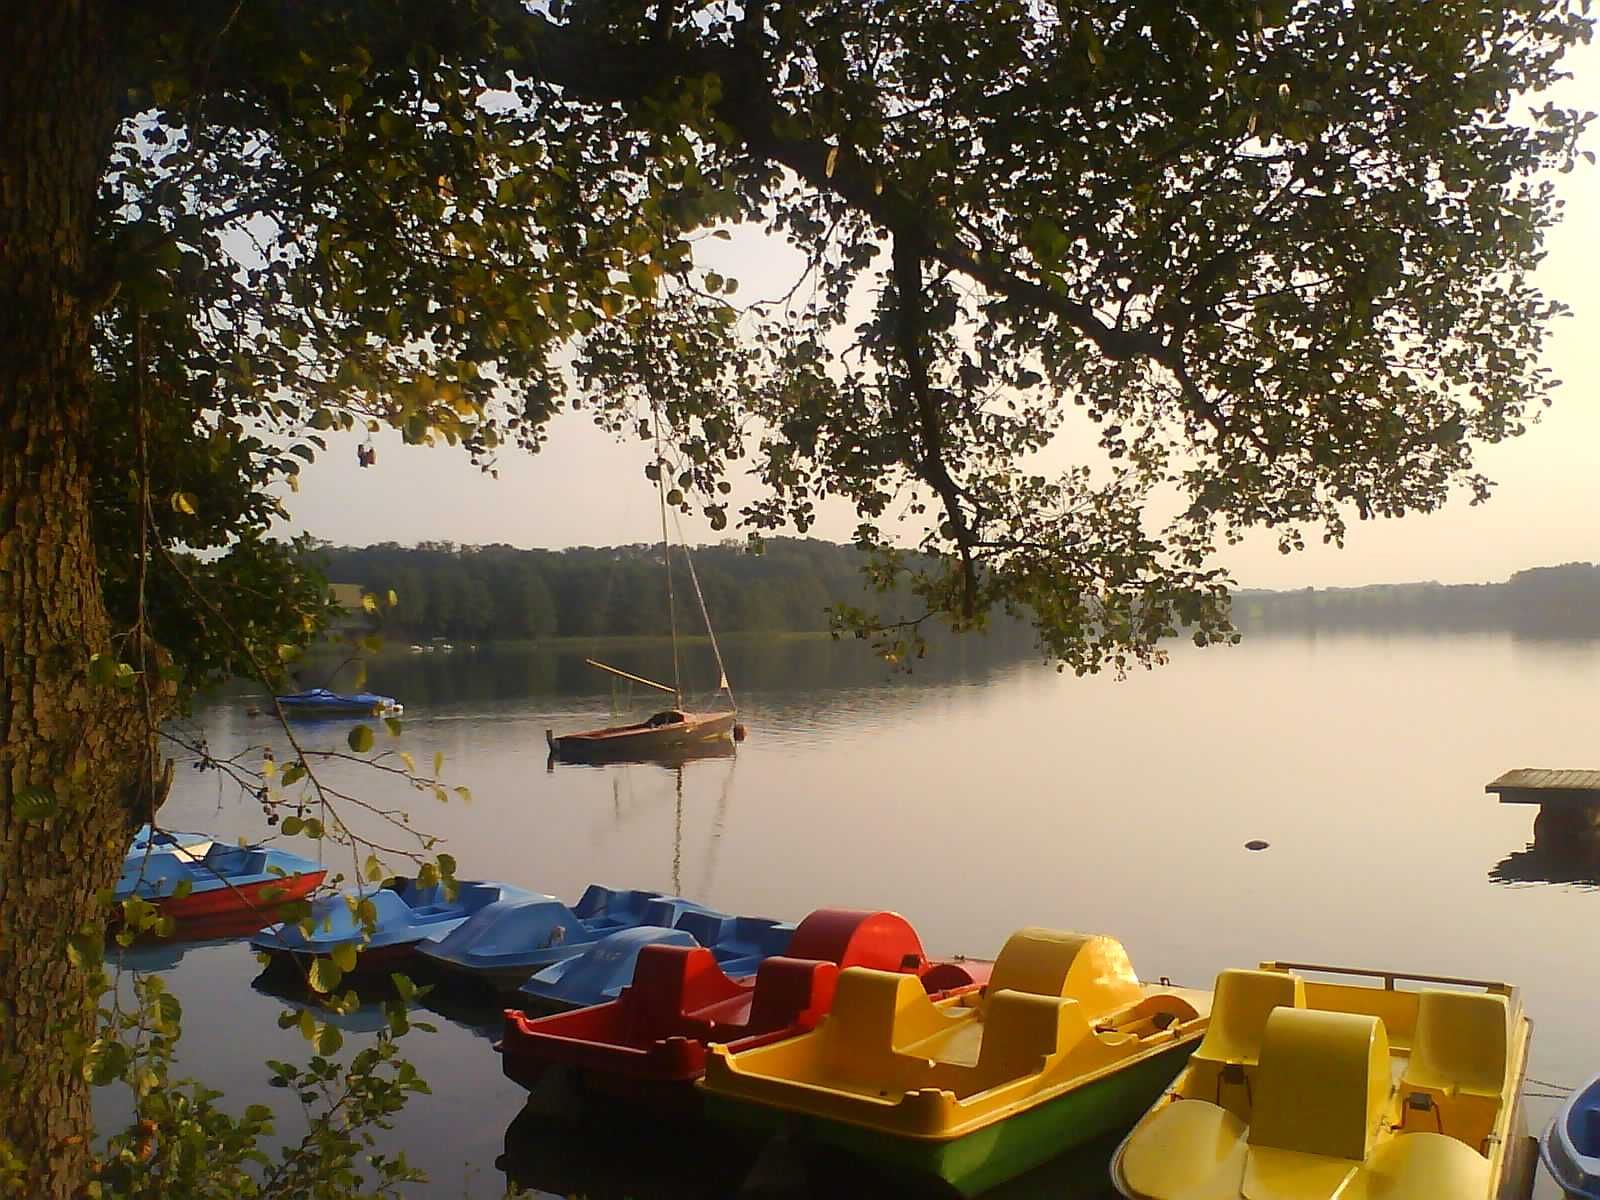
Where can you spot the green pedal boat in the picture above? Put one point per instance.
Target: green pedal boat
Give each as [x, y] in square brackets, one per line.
[1063, 1046]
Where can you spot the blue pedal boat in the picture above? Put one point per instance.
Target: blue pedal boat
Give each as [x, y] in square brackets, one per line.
[1571, 1146]
[504, 943]
[407, 915]
[602, 970]
[223, 880]
[320, 702]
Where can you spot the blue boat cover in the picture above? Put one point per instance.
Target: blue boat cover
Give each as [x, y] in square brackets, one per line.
[1571, 1146]
[602, 970]
[738, 943]
[512, 938]
[322, 698]
[406, 914]
[155, 875]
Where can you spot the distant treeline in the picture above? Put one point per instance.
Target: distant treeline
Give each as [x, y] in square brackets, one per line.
[481, 593]
[1559, 601]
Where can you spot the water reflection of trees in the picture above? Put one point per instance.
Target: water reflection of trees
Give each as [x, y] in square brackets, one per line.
[505, 672]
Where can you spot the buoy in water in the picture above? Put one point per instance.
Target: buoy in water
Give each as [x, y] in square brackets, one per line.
[1256, 844]
[738, 733]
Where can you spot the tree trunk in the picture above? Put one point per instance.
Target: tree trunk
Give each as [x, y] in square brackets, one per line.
[86, 746]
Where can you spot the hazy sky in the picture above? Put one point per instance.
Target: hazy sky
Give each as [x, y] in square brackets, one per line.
[586, 489]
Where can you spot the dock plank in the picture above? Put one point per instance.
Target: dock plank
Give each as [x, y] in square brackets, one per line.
[1540, 785]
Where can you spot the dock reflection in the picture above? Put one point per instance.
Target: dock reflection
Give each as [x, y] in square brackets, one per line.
[1540, 864]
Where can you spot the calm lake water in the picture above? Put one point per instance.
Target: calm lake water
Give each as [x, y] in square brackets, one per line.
[982, 793]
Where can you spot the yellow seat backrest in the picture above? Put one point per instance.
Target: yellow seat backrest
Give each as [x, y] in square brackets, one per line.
[1089, 968]
[1458, 1063]
[874, 1014]
[1461, 1042]
[1021, 1031]
[1322, 1083]
[1239, 1011]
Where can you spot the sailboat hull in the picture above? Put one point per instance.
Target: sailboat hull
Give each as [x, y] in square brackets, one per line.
[647, 739]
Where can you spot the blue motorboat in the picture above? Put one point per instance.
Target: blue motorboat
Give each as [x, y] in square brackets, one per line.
[603, 969]
[320, 702]
[407, 914]
[1571, 1146]
[222, 879]
[506, 942]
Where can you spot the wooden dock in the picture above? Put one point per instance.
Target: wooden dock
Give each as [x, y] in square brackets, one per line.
[1535, 785]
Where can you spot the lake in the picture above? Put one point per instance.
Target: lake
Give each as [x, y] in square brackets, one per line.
[979, 794]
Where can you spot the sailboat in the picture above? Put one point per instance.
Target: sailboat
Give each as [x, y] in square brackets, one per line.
[670, 732]
[673, 732]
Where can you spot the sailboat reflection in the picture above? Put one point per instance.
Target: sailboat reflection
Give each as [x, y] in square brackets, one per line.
[669, 758]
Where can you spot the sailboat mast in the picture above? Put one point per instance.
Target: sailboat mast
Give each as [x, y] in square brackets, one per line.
[666, 554]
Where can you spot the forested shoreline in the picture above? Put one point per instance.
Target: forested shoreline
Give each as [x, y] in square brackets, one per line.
[1557, 601]
[501, 592]
[496, 592]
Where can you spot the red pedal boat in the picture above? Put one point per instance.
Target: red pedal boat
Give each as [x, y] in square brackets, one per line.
[649, 1044]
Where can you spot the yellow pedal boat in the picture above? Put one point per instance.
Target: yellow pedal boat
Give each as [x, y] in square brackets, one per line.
[1312, 1090]
[1062, 1046]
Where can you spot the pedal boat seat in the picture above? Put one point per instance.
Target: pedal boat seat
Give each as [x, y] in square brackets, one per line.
[1222, 1070]
[1456, 1078]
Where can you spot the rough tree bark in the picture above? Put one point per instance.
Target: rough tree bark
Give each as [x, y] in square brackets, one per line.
[86, 745]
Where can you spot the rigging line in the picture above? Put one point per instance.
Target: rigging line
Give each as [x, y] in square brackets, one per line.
[716, 650]
[666, 552]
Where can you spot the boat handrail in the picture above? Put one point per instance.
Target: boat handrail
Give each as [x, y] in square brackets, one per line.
[1389, 977]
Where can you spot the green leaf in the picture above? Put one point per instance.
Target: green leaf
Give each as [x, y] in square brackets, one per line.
[106, 1061]
[344, 957]
[292, 826]
[360, 739]
[86, 950]
[34, 804]
[325, 975]
[329, 1040]
[184, 502]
